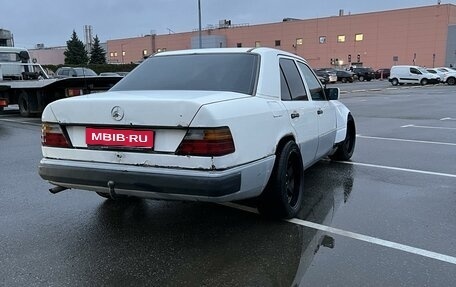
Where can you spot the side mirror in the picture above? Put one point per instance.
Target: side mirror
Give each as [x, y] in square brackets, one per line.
[332, 93]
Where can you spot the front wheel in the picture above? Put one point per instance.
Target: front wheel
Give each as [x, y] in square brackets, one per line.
[424, 82]
[345, 149]
[282, 197]
[361, 78]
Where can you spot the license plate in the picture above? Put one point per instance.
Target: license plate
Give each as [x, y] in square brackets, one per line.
[129, 138]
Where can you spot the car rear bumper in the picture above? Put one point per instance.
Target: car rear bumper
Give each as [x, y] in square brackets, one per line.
[162, 183]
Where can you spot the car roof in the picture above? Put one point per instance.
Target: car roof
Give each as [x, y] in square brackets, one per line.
[259, 50]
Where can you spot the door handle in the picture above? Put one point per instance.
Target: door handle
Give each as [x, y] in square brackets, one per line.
[319, 112]
[294, 115]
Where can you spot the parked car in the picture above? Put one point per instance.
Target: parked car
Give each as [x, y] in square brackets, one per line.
[342, 75]
[109, 74]
[449, 75]
[405, 74]
[345, 76]
[65, 72]
[364, 73]
[438, 72]
[382, 73]
[330, 76]
[212, 125]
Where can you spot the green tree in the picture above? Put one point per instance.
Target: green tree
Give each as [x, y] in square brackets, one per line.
[75, 54]
[97, 54]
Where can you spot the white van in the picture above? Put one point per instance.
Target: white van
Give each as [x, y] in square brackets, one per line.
[412, 75]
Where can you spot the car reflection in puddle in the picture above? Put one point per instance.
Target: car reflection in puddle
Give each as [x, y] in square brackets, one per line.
[148, 242]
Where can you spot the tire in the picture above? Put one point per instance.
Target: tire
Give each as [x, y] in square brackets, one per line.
[282, 197]
[424, 82]
[345, 149]
[361, 78]
[369, 79]
[395, 82]
[343, 80]
[451, 81]
[24, 105]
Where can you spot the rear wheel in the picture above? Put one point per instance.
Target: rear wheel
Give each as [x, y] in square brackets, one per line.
[451, 81]
[24, 105]
[282, 197]
[361, 78]
[395, 82]
[345, 149]
[424, 82]
[344, 80]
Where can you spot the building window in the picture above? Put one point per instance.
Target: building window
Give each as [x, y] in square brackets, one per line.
[257, 44]
[322, 39]
[341, 39]
[299, 41]
[144, 52]
[359, 37]
[277, 43]
[123, 53]
[112, 54]
[115, 54]
[239, 45]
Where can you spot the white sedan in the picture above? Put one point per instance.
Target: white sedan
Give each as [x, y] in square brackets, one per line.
[212, 125]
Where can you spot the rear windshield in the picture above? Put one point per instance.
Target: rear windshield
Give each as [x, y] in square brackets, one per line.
[84, 72]
[234, 72]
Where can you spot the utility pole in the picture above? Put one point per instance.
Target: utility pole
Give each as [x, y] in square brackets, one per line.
[199, 21]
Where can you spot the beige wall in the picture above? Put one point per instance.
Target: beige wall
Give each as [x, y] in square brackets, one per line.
[49, 56]
[402, 33]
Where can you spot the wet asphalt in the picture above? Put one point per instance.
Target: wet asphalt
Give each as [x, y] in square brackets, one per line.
[407, 195]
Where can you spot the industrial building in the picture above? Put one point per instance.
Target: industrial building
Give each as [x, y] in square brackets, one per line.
[424, 36]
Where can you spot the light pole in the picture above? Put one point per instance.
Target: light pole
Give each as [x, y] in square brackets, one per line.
[122, 51]
[199, 21]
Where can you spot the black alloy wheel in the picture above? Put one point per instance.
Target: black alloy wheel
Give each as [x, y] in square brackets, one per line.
[282, 197]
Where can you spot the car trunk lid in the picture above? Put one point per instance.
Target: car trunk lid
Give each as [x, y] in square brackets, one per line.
[137, 108]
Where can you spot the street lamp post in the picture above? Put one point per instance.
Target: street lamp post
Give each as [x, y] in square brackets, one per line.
[199, 21]
[122, 52]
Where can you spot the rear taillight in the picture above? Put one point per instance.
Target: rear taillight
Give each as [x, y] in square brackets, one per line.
[72, 92]
[3, 103]
[52, 136]
[207, 142]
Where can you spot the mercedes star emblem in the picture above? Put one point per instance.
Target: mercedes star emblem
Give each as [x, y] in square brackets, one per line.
[117, 113]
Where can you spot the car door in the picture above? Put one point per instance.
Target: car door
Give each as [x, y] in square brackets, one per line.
[302, 113]
[326, 113]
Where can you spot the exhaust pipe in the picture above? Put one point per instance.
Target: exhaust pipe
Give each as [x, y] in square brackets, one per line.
[112, 193]
[57, 189]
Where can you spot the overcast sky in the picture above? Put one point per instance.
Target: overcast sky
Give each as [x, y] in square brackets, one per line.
[52, 21]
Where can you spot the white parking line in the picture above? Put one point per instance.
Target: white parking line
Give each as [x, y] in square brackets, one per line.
[358, 236]
[448, 119]
[404, 140]
[427, 127]
[399, 169]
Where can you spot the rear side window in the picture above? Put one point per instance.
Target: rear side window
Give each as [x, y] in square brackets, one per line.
[293, 80]
[234, 72]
